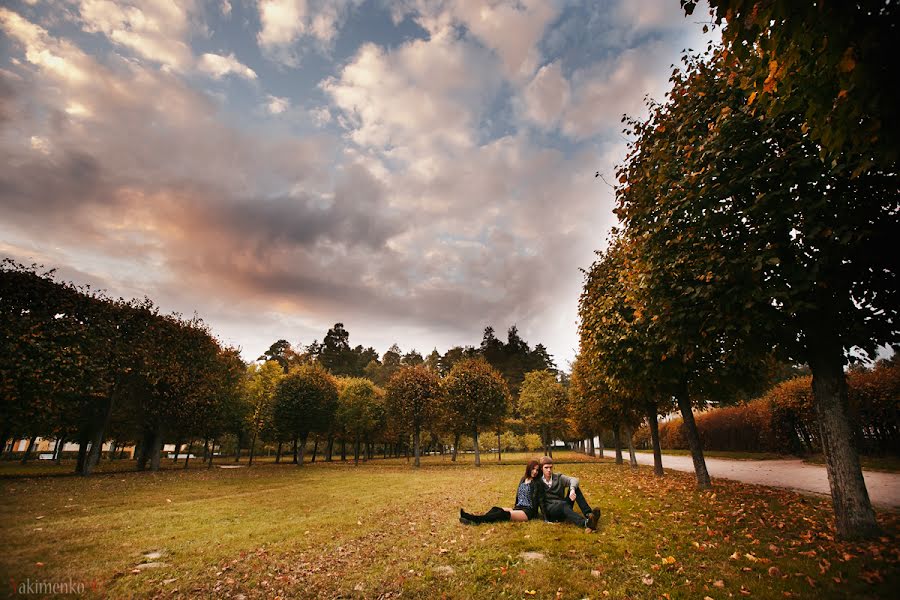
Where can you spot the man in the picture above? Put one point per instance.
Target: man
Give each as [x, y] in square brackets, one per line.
[558, 506]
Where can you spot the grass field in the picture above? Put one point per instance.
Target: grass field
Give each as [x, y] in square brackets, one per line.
[385, 530]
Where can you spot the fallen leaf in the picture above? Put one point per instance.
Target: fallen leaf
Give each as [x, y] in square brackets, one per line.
[718, 583]
[647, 580]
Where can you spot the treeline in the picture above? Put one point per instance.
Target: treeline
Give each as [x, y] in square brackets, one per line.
[783, 420]
[756, 226]
[78, 366]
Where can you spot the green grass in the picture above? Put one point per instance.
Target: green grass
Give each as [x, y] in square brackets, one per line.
[384, 529]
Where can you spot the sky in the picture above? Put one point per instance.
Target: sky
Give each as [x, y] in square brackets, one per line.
[417, 170]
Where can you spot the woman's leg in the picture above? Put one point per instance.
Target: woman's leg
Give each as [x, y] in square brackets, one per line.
[495, 514]
[517, 515]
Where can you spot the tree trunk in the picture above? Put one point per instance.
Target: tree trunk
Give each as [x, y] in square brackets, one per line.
[278, 452]
[545, 439]
[252, 448]
[315, 449]
[455, 446]
[330, 448]
[416, 448]
[693, 438]
[617, 441]
[499, 449]
[101, 425]
[143, 450]
[237, 451]
[57, 451]
[28, 450]
[302, 448]
[177, 451]
[854, 516]
[629, 436]
[343, 449]
[3, 437]
[591, 446]
[654, 437]
[295, 450]
[356, 451]
[212, 452]
[156, 449]
[83, 438]
[205, 449]
[477, 450]
[602, 449]
[187, 456]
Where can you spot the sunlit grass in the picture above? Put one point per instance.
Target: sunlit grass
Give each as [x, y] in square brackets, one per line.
[385, 529]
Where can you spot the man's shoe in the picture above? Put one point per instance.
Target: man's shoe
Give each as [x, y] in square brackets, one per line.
[465, 521]
[593, 518]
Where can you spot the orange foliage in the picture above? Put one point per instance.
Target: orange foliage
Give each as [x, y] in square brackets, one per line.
[783, 420]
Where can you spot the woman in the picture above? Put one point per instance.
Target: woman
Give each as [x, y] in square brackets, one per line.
[529, 498]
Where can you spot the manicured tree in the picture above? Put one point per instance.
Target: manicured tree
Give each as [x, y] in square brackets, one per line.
[305, 401]
[358, 409]
[478, 395]
[47, 369]
[583, 414]
[823, 62]
[259, 390]
[221, 400]
[542, 404]
[413, 395]
[764, 247]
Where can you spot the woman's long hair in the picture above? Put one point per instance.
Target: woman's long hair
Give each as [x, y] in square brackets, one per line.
[531, 465]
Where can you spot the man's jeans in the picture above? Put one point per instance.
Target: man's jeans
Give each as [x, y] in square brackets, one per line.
[563, 510]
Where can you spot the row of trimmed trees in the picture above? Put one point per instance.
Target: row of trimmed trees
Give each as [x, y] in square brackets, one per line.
[471, 400]
[742, 244]
[84, 368]
[77, 366]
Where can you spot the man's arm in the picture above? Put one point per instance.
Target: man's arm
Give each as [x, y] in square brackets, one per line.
[571, 483]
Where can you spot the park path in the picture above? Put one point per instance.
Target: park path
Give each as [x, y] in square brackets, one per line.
[793, 474]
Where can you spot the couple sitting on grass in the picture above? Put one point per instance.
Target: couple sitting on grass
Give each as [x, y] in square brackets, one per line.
[542, 490]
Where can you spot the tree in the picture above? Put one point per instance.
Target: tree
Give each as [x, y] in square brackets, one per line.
[359, 404]
[824, 63]
[477, 394]
[620, 358]
[765, 247]
[542, 403]
[433, 361]
[259, 391]
[305, 401]
[413, 395]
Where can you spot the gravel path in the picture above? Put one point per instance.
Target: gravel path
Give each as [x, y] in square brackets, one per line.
[794, 474]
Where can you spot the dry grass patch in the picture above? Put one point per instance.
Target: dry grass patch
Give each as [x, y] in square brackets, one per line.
[385, 530]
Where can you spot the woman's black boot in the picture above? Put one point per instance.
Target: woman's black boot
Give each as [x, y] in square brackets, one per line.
[495, 514]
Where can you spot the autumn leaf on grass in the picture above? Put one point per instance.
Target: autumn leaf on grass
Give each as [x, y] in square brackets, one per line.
[669, 560]
[647, 580]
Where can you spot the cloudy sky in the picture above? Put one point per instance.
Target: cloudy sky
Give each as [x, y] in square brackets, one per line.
[414, 169]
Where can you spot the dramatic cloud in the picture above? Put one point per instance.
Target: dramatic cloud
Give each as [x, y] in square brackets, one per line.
[155, 30]
[428, 172]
